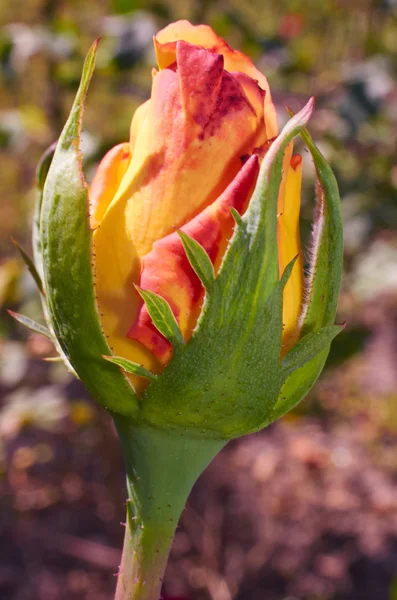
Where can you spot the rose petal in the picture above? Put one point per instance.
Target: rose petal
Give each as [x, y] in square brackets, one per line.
[203, 35]
[108, 176]
[289, 246]
[166, 269]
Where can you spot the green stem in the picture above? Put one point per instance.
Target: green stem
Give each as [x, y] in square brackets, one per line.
[161, 470]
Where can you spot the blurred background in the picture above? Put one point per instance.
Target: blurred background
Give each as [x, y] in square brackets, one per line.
[305, 510]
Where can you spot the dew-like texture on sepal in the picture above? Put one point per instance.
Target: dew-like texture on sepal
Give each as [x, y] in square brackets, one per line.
[226, 380]
[66, 251]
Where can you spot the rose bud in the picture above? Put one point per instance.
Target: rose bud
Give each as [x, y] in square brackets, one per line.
[174, 288]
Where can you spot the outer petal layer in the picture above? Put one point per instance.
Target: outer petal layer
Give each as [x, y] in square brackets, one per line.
[202, 35]
[167, 272]
[105, 184]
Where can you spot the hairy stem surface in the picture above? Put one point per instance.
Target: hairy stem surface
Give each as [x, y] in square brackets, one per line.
[161, 470]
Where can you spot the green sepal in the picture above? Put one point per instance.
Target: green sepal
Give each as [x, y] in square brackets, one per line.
[162, 316]
[325, 269]
[131, 367]
[327, 247]
[41, 175]
[198, 259]
[323, 281]
[236, 215]
[287, 271]
[32, 325]
[307, 348]
[30, 265]
[44, 166]
[298, 385]
[226, 380]
[66, 248]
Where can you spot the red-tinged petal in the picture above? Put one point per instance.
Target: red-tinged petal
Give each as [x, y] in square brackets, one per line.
[167, 272]
[106, 182]
[255, 94]
[184, 155]
[203, 35]
[199, 102]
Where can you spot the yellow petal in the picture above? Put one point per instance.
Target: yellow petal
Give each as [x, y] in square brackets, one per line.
[289, 246]
[105, 184]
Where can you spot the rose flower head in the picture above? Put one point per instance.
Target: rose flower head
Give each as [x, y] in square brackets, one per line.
[174, 287]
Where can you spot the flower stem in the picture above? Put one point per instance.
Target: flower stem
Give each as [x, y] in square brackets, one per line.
[161, 468]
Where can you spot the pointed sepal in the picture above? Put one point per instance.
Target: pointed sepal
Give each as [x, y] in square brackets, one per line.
[66, 249]
[32, 325]
[30, 266]
[308, 347]
[198, 259]
[131, 367]
[41, 176]
[325, 270]
[287, 272]
[162, 316]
